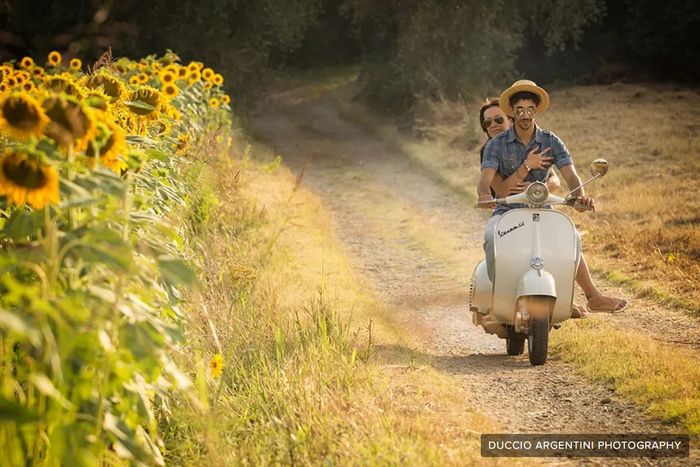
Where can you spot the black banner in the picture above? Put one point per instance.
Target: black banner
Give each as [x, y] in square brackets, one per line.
[585, 445]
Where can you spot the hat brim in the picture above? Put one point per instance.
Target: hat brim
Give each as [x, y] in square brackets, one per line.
[504, 100]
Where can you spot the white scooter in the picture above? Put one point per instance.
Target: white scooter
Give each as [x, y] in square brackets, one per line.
[537, 256]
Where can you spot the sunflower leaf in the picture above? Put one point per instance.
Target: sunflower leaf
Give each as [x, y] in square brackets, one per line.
[17, 325]
[23, 224]
[11, 411]
[175, 271]
[46, 387]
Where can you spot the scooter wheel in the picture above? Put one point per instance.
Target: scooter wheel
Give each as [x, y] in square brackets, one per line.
[538, 340]
[515, 344]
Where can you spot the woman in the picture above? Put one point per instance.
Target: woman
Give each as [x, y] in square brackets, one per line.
[494, 122]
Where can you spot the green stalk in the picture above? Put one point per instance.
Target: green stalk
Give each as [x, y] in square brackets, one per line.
[114, 335]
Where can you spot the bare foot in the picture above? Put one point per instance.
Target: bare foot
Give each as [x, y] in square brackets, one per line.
[603, 304]
[579, 312]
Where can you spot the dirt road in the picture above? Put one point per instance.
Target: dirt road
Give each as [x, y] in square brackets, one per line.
[417, 242]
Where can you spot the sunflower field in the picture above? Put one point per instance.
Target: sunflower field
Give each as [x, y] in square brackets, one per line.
[91, 253]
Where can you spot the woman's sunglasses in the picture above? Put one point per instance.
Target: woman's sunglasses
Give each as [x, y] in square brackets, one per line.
[498, 119]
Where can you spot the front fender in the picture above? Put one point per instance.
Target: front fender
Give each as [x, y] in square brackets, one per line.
[537, 282]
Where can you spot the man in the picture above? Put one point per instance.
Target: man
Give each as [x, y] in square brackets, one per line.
[507, 154]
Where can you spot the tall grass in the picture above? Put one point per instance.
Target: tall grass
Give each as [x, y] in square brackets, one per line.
[278, 302]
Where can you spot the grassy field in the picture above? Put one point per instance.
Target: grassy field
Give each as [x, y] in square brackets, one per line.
[300, 383]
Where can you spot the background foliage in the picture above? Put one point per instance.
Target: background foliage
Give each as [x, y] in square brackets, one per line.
[406, 49]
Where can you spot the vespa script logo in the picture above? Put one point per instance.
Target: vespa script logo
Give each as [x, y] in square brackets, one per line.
[502, 233]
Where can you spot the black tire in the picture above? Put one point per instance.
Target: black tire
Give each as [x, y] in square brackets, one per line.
[515, 345]
[538, 340]
[515, 342]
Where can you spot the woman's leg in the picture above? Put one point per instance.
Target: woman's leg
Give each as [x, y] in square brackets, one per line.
[596, 300]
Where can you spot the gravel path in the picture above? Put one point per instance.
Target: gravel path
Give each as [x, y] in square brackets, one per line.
[417, 242]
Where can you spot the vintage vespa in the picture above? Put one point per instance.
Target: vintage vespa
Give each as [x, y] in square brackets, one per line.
[537, 255]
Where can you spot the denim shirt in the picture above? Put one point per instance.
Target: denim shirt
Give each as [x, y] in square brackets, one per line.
[506, 153]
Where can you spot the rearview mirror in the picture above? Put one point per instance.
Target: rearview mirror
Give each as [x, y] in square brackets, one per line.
[599, 167]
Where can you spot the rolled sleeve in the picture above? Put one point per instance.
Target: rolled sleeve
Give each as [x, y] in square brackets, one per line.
[490, 156]
[560, 152]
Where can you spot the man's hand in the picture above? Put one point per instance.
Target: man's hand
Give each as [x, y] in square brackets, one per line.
[486, 197]
[584, 203]
[538, 160]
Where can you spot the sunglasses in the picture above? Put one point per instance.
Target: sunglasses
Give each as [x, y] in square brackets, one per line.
[498, 119]
[521, 111]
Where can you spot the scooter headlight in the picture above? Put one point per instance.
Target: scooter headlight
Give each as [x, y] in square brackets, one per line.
[537, 193]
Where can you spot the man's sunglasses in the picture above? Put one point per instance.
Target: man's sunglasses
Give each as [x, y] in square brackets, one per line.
[498, 119]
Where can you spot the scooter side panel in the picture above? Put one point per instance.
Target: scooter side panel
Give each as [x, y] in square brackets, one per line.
[514, 243]
[480, 291]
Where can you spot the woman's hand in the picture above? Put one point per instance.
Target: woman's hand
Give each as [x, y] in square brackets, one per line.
[519, 188]
[538, 160]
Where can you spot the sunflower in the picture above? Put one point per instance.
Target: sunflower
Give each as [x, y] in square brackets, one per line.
[172, 68]
[207, 73]
[21, 116]
[109, 142]
[194, 77]
[171, 91]
[217, 79]
[25, 179]
[225, 99]
[208, 85]
[167, 77]
[55, 58]
[4, 88]
[134, 80]
[145, 101]
[28, 86]
[76, 64]
[110, 84]
[143, 78]
[173, 113]
[63, 83]
[71, 122]
[183, 143]
[26, 62]
[19, 78]
[97, 99]
[182, 72]
[216, 365]
[214, 103]
[192, 67]
[38, 72]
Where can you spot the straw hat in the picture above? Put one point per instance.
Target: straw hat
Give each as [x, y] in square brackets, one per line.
[524, 85]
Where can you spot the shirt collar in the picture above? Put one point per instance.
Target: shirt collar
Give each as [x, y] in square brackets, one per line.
[511, 136]
[539, 136]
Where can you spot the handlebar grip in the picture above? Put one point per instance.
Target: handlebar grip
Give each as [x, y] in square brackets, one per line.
[582, 207]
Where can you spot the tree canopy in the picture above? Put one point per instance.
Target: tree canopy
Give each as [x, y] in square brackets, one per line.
[406, 49]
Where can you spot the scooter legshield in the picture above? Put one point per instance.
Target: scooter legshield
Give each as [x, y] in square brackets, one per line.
[515, 246]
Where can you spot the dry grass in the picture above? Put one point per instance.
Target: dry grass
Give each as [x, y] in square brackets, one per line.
[300, 386]
[638, 368]
[647, 224]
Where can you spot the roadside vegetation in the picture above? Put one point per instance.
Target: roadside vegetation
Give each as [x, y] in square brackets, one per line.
[92, 253]
[301, 380]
